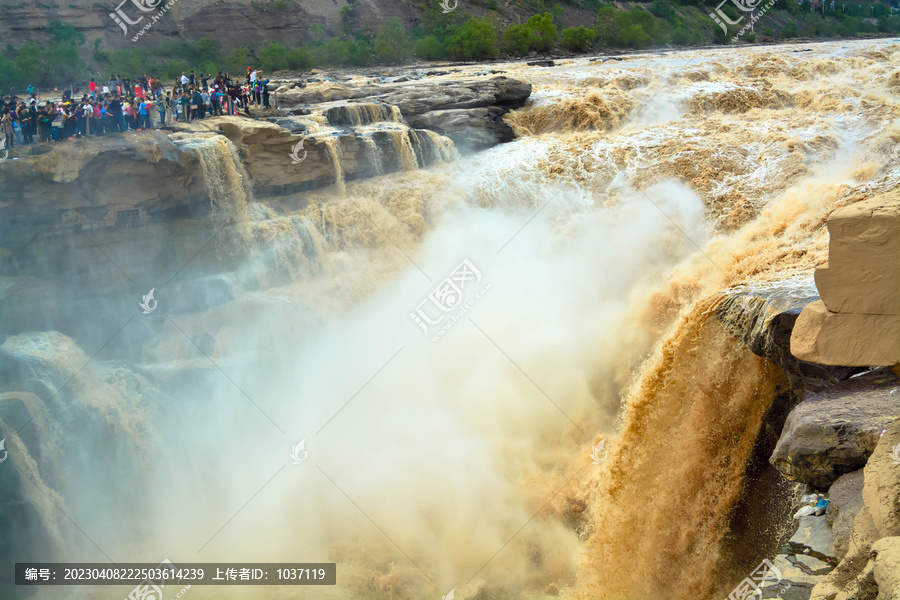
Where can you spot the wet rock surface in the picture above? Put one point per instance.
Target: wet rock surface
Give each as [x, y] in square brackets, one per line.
[834, 431]
[846, 502]
[803, 561]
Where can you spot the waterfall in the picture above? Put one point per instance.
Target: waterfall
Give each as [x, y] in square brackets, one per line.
[363, 113]
[230, 190]
[689, 428]
[332, 145]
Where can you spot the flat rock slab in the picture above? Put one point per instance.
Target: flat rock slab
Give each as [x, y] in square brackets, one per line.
[804, 561]
[835, 430]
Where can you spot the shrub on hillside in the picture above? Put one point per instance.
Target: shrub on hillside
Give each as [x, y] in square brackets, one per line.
[662, 9]
[518, 39]
[273, 57]
[299, 59]
[392, 44]
[544, 31]
[429, 47]
[578, 39]
[475, 40]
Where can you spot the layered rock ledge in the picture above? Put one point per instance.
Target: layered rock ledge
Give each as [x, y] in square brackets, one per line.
[857, 321]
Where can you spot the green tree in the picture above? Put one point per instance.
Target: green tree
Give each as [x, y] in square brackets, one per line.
[392, 42]
[64, 33]
[429, 47]
[578, 39]
[519, 39]
[345, 17]
[7, 74]
[647, 21]
[273, 57]
[662, 9]
[30, 65]
[337, 52]
[606, 25]
[206, 50]
[236, 60]
[544, 30]
[65, 64]
[299, 59]
[476, 40]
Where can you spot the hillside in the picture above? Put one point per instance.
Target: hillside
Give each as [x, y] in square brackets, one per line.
[52, 43]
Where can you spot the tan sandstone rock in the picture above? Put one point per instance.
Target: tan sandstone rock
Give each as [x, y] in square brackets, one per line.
[857, 321]
[863, 271]
[848, 339]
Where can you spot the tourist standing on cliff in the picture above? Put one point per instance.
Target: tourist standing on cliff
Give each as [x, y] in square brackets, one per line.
[162, 106]
[45, 123]
[143, 121]
[6, 126]
[24, 117]
[185, 107]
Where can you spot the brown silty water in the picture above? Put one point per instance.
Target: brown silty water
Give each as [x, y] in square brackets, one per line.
[636, 192]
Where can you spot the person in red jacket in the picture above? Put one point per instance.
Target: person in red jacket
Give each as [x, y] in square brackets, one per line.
[93, 88]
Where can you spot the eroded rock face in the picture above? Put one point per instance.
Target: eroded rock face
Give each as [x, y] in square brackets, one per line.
[845, 503]
[138, 169]
[274, 160]
[857, 321]
[470, 112]
[470, 129]
[886, 567]
[834, 431]
[869, 569]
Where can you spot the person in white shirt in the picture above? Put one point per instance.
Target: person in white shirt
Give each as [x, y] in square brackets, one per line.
[184, 79]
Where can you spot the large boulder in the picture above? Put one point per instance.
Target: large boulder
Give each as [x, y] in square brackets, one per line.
[470, 129]
[439, 95]
[845, 501]
[857, 321]
[834, 431]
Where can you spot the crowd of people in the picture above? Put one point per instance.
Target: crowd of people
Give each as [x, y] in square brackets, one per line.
[122, 105]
